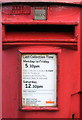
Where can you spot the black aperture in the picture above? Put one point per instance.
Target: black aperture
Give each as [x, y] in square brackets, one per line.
[40, 28]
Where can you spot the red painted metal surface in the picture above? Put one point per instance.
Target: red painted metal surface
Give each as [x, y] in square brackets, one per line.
[0, 64]
[64, 41]
[55, 15]
[81, 67]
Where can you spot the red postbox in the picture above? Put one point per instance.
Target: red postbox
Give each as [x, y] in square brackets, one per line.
[41, 60]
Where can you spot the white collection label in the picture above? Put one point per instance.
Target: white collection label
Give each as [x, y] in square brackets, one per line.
[39, 72]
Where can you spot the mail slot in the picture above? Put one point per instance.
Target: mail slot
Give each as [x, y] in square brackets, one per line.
[41, 60]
